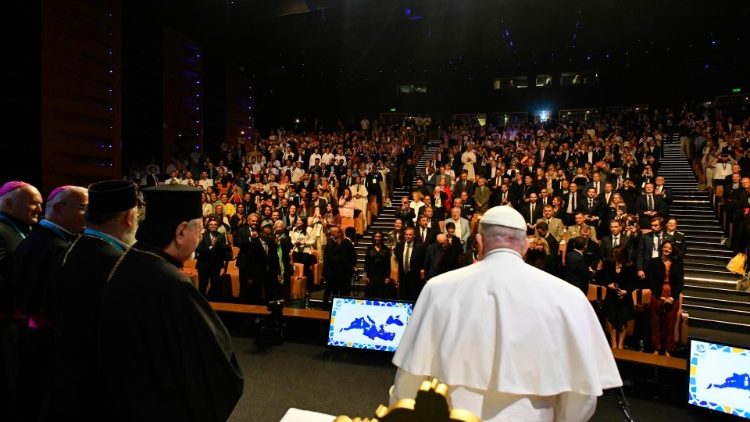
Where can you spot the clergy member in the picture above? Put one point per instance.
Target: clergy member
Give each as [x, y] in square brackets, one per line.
[111, 222]
[20, 206]
[504, 356]
[35, 262]
[164, 353]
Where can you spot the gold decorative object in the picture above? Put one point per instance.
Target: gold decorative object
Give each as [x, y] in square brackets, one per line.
[431, 404]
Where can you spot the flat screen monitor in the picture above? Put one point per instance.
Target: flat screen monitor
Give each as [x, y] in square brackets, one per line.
[719, 377]
[368, 324]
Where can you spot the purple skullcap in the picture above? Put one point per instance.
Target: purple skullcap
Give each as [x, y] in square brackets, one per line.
[57, 191]
[11, 186]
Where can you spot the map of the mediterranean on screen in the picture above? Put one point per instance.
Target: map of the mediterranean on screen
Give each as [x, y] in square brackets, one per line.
[368, 324]
[720, 378]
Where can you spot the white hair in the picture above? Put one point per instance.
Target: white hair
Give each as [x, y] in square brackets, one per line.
[495, 236]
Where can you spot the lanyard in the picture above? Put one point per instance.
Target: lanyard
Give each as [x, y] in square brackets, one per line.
[51, 226]
[13, 225]
[105, 237]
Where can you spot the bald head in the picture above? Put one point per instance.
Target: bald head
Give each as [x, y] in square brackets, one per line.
[67, 208]
[23, 203]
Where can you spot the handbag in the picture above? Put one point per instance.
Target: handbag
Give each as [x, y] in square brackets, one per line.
[737, 264]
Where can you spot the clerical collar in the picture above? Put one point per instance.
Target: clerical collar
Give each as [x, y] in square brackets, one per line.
[145, 247]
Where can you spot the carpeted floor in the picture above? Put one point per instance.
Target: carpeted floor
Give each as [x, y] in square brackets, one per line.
[310, 376]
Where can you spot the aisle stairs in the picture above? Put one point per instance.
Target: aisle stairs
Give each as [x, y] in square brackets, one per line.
[709, 295]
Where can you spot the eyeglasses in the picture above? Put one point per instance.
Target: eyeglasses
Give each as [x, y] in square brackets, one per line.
[82, 207]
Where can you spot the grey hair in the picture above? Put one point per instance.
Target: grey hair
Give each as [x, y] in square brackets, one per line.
[62, 197]
[503, 237]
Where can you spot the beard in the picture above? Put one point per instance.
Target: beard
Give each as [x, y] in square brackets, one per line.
[129, 236]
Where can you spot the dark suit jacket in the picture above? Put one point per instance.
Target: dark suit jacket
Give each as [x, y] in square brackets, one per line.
[678, 241]
[645, 247]
[9, 241]
[415, 264]
[666, 195]
[339, 259]
[579, 201]
[323, 204]
[606, 246]
[262, 266]
[407, 215]
[592, 184]
[212, 256]
[526, 212]
[463, 185]
[431, 235]
[660, 206]
[511, 198]
[577, 271]
[35, 261]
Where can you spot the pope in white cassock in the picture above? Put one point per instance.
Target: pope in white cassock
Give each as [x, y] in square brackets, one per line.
[512, 342]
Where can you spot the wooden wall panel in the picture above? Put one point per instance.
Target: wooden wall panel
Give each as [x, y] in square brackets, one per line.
[81, 92]
[240, 115]
[183, 95]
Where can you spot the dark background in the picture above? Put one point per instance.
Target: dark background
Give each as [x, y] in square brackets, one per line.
[264, 63]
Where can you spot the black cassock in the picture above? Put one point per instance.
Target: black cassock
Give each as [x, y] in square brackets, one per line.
[164, 353]
[34, 262]
[76, 299]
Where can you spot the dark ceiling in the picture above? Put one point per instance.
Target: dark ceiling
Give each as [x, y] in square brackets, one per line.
[360, 38]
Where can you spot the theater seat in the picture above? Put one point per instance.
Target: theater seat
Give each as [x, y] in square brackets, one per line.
[596, 293]
[298, 287]
[317, 269]
[641, 298]
[681, 325]
[234, 273]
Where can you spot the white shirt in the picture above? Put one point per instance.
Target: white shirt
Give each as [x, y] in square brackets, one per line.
[205, 183]
[470, 329]
[326, 159]
[313, 157]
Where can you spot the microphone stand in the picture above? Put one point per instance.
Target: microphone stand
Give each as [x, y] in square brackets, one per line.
[624, 405]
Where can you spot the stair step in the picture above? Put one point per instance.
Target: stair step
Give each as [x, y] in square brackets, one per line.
[710, 281]
[716, 252]
[718, 314]
[704, 242]
[721, 291]
[716, 265]
[711, 274]
[717, 303]
[699, 322]
[698, 221]
[691, 259]
[695, 232]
